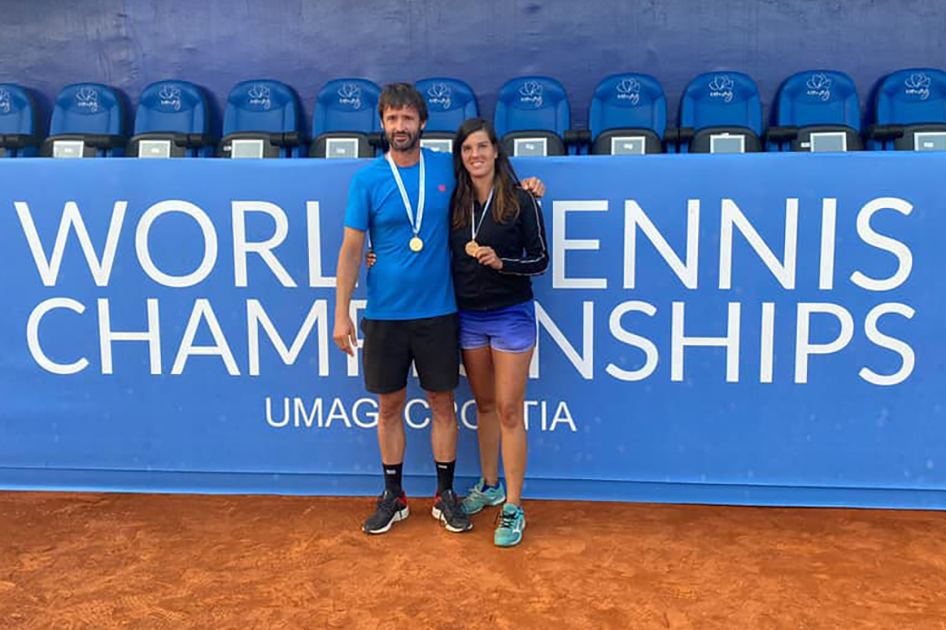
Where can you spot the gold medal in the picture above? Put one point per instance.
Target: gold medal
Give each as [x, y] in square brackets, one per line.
[471, 248]
[416, 244]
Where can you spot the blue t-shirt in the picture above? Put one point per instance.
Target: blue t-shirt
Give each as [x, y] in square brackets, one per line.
[403, 284]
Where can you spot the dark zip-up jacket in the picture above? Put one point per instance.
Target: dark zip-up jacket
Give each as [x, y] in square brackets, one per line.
[520, 243]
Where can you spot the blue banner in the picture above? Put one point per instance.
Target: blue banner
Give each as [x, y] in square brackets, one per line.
[763, 329]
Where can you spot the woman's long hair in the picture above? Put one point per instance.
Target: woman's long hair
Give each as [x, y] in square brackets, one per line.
[505, 204]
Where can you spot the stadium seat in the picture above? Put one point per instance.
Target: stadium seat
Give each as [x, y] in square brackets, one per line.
[532, 116]
[88, 121]
[910, 112]
[19, 129]
[172, 120]
[449, 103]
[346, 123]
[263, 119]
[816, 110]
[720, 112]
[628, 116]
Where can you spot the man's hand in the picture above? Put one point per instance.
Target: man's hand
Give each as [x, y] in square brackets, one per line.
[534, 185]
[370, 258]
[344, 335]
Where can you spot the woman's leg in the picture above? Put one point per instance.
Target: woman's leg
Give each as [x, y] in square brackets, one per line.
[511, 373]
[479, 371]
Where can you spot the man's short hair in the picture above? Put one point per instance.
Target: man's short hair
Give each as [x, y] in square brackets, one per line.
[399, 96]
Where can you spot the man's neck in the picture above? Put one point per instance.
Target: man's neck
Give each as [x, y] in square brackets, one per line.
[483, 185]
[405, 159]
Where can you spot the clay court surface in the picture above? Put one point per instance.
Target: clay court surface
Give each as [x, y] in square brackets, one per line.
[174, 561]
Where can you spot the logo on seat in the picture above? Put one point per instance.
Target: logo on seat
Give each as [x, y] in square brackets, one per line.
[440, 94]
[87, 98]
[918, 84]
[260, 96]
[531, 92]
[5, 101]
[170, 97]
[630, 90]
[721, 87]
[350, 94]
[819, 86]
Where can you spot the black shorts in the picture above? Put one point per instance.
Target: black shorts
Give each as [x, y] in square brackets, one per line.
[391, 345]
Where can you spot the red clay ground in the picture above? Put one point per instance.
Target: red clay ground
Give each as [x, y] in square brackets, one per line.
[103, 561]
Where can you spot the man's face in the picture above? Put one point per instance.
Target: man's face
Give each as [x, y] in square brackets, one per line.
[402, 128]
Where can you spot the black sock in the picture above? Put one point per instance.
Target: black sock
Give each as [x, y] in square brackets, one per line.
[392, 477]
[445, 475]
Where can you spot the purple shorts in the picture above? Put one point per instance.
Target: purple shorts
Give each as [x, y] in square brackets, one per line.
[509, 329]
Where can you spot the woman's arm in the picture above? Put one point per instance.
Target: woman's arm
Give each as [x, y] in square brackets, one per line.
[536, 259]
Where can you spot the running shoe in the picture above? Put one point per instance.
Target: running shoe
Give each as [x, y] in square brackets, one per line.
[481, 497]
[512, 520]
[391, 509]
[447, 510]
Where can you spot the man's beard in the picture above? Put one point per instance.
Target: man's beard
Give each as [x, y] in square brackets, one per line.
[403, 145]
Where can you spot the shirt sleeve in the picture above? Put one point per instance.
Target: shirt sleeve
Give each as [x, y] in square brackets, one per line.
[358, 208]
[532, 226]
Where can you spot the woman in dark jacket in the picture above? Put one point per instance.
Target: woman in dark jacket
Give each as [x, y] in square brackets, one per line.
[497, 242]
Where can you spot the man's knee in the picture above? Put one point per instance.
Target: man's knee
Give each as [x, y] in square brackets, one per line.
[391, 408]
[441, 404]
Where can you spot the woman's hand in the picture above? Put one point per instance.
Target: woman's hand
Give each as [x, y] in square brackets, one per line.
[370, 258]
[534, 185]
[488, 258]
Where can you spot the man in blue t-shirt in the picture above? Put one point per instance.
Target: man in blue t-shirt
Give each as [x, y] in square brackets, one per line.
[403, 201]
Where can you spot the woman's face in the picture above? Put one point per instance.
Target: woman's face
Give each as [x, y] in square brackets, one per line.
[479, 155]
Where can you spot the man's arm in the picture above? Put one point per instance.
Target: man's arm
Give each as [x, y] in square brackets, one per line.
[349, 260]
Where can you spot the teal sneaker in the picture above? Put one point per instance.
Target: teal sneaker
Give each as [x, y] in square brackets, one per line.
[480, 498]
[512, 520]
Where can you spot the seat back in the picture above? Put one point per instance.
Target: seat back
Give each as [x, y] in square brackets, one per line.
[263, 109]
[823, 102]
[532, 108]
[169, 110]
[624, 107]
[89, 113]
[346, 111]
[914, 99]
[449, 103]
[19, 128]
[721, 103]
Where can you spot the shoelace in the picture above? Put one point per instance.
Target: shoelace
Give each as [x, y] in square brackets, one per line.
[507, 519]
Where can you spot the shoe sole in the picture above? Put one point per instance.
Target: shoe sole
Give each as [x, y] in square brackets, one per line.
[398, 516]
[498, 501]
[437, 514]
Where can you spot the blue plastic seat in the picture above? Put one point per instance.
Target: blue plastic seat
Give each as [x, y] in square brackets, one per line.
[910, 112]
[172, 120]
[345, 123]
[263, 119]
[88, 121]
[628, 115]
[720, 112]
[19, 129]
[532, 116]
[449, 103]
[816, 110]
